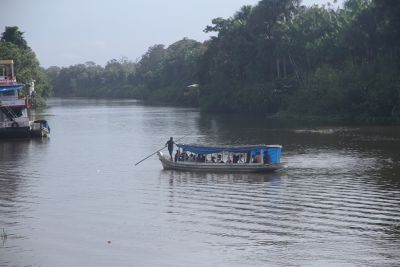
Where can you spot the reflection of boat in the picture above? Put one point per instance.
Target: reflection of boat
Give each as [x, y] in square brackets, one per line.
[14, 117]
[269, 159]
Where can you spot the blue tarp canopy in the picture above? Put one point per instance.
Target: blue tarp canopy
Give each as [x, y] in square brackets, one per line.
[233, 149]
[6, 88]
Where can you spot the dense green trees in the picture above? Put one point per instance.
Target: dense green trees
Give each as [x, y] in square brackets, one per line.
[27, 68]
[162, 74]
[14, 36]
[275, 57]
[282, 57]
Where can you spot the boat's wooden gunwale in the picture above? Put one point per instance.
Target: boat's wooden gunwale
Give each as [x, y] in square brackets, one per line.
[217, 167]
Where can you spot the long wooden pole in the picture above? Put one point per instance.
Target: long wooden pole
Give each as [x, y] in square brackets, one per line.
[137, 163]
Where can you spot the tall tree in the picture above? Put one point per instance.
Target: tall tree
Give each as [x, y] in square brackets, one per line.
[14, 36]
[27, 67]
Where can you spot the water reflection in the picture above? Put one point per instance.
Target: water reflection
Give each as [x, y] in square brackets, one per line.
[217, 178]
[61, 200]
[15, 190]
[275, 210]
[12, 178]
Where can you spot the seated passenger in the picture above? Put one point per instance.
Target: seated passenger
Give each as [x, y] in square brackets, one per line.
[235, 158]
[177, 155]
[267, 158]
[184, 156]
[248, 157]
[229, 160]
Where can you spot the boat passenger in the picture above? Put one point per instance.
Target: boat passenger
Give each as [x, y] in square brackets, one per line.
[248, 157]
[170, 144]
[212, 159]
[257, 158]
[229, 160]
[235, 158]
[220, 160]
[177, 155]
[184, 156]
[267, 158]
[241, 159]
[200, 158]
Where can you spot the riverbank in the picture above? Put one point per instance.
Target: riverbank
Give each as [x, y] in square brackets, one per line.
[283, 116]
[342, 119]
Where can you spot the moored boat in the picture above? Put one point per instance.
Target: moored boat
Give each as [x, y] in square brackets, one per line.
[14, 117]
[40, 128]
[245, 158]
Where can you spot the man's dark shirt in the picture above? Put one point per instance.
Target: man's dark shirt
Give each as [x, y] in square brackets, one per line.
[170, 144]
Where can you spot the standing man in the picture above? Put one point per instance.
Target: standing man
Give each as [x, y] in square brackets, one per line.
[170, 144]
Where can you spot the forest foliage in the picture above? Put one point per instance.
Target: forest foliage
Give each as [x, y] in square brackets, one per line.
[277, 57]
[27, 68]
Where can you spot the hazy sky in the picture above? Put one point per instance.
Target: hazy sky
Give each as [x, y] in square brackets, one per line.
[67, 32]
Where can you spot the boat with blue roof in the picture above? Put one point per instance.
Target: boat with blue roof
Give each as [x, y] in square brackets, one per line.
[238, 159]
[14, 107]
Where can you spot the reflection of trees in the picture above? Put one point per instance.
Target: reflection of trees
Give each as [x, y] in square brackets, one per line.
[246, 129]
[251, 129]
[380, 143]
[13, 155]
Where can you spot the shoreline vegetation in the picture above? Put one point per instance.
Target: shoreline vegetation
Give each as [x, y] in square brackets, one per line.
[278, 58]
[27, 68]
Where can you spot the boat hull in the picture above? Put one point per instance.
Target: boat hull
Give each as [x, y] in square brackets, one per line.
[15, 132]
[40, 133]
[217, 167]
[40, 128]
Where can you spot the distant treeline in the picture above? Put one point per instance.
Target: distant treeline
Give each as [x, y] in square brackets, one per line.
[161, 75]
[277, 57]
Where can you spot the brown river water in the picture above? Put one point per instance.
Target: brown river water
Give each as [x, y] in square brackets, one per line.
[76, 199]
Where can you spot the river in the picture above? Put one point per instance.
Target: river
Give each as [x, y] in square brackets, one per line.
[76, 199]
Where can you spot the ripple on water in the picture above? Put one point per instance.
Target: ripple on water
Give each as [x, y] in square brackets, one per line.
[61, 201]
[282, 209]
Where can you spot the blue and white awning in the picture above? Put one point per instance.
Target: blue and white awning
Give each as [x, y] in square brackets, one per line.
[198, 149]
[13, 87]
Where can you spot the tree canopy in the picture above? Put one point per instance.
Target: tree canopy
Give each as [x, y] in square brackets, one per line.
[27, 67]
[162, 74]
[14, 36]
[275, 57]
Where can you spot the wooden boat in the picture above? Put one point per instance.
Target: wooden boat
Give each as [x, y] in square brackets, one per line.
[40, 128]
[270, 153]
